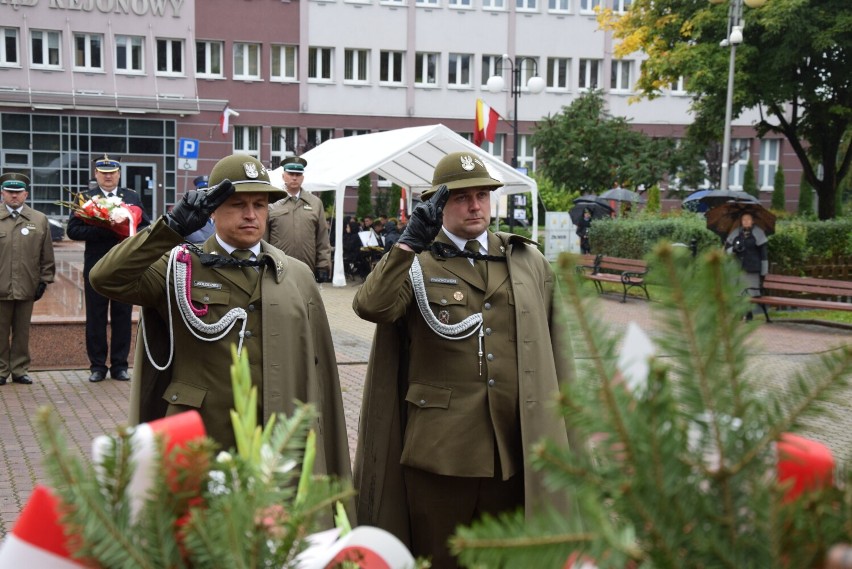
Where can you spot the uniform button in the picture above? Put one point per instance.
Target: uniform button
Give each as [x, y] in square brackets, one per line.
[248, 333]
[490, 357]
[206, 298]
[174, 397]
[487, 306]
[422, 402]
[491, 383]
[488, 331]
[251, 307]
[443, 301]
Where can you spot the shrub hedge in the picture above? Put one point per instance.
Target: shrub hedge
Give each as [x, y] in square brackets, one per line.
[796, 242]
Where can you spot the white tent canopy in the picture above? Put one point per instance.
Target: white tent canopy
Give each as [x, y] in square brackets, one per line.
[406, 156]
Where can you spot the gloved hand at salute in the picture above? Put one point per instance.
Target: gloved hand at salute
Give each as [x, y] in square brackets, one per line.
[425, 221]
[193, 211]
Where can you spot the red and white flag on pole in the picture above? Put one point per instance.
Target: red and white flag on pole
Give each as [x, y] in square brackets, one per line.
[38, 539]
[225, 119]
[403, 213]
[486, 123]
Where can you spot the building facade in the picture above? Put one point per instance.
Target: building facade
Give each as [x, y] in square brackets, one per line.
[131, 78]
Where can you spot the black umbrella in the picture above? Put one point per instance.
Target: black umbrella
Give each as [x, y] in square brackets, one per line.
[598, 211]
[623, 195]
[593, 199]
[708, 199]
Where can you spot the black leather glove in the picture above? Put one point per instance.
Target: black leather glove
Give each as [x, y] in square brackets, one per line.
[322, 275]
[39, 292]
[193, 211]
[425, 221]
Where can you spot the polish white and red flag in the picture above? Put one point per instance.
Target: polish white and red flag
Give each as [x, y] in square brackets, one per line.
[225, 119]
[486, 123]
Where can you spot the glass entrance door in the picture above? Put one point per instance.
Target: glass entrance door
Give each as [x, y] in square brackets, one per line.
[142, 178]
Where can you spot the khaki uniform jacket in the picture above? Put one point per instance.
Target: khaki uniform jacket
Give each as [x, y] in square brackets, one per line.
[287, 338]
[425, 403]
[26, 253]
[298, 227]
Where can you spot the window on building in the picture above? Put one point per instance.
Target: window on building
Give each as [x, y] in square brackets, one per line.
[590, 74]
[560, 6]
[317, 136]
[495, 148]
[526, 153]
[129, 54]
[208, 59]
[458, 74]
[589, 6]
[319, 63]
[557, 73]
[740, 148]
[247, 140]
[491, 66]
[426, 69]
[247, 61]
[679, 87]
[391, 65]
[619, 79]
[393, 2]
[169, 57]
[526, 5]
[45, 49]
[355, 131]
[493, 4]
[621, 6]
[769, 152]
[285, 63]
[529, 69]
[427, 3]
[88, 54]
[9, 46]
[459, 3]
[355, 65]
[284, 143]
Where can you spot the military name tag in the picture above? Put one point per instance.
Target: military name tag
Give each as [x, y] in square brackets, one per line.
[205, 284]
[443, 280]
[309, 208]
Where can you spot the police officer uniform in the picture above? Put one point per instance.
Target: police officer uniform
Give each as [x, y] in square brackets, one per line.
[26, 267]
[297, 225]
[271, 309]
[99, 240]
[468, 360]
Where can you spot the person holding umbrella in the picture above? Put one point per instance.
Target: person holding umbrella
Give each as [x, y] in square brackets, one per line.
[749, 243]
[583, 227]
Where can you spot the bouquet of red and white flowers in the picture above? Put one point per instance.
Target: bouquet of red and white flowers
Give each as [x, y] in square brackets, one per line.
[111, 213]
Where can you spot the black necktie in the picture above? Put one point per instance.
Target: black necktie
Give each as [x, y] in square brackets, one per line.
[251, 273]
[481, 268]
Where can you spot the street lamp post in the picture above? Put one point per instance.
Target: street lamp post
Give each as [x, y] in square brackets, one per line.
[733, 39]
[535, 84]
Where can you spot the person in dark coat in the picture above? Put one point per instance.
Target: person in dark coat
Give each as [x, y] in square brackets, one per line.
[99, 240]
[391, 235]
[583, 228]
[748, 242]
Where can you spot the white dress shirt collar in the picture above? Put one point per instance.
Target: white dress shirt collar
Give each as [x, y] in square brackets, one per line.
[230, 248]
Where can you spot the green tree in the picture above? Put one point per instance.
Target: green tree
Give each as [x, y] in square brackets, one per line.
[779, 199]
[365, 197]
[749, 182]
[554, 197]
[394, 195]
[793, 66]
[585, 148]
[806, 199]
[653, 205]
[382, 203]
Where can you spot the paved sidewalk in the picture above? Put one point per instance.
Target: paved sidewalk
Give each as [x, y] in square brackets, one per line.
[90, 409]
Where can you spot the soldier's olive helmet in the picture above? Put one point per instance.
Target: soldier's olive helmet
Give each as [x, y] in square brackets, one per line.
[461, 170]
[247, 174]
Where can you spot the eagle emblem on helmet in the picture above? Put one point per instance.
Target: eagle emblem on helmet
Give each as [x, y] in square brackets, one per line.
[467, 163]
[250, 169]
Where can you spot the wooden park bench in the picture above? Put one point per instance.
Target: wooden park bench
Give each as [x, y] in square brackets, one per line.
[601, 269]
[804, 292]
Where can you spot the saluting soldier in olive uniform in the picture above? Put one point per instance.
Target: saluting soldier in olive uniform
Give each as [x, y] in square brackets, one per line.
[26, 267]
[297, 223]
[238, 290]
[467, 355]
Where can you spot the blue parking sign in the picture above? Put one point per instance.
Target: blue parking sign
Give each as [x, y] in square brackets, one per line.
[188, 148]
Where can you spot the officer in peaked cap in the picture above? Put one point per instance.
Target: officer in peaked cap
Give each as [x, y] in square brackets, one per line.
[201, 182]
[468, 419]
[297, 223]
[237, 290]
[99, 309]
[26, 267]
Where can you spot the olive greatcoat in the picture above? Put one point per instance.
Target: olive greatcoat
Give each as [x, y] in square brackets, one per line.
[298, 227]
[425, 404]
[287, 337]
